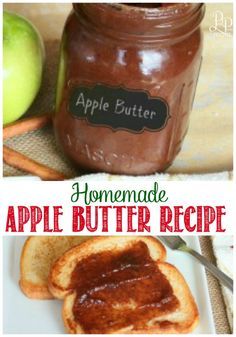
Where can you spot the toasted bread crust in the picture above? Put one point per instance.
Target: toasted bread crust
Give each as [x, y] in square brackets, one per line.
[35, 291]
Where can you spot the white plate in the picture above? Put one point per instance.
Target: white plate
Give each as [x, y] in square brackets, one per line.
[22, 315]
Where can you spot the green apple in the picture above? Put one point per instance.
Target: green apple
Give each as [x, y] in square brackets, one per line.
[23, 58]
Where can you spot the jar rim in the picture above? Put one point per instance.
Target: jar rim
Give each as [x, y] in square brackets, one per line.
[173, 10]
[176, 19]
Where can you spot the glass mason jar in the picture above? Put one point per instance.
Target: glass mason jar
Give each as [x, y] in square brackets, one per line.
[126, 84]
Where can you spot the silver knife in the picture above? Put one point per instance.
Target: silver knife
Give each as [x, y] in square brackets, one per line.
[177, 243]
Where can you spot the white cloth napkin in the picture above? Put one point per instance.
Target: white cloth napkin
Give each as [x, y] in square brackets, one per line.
[158, 176]
[223, 249]
[226, 175]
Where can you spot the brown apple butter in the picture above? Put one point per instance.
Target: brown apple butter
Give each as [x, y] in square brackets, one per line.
[126, 84]
[121, 289]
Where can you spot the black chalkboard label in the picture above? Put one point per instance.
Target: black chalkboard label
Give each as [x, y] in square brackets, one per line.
[119, 108]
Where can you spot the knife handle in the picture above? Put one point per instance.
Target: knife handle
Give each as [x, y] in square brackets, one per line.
[222, 277]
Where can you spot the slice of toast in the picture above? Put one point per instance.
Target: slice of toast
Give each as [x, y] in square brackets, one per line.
[37, 257]
[179, 317]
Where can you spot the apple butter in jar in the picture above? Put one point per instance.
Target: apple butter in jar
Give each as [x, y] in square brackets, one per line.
[126, 84]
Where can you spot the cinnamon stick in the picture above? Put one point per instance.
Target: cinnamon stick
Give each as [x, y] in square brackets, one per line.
[25, 125]
[22, 162]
